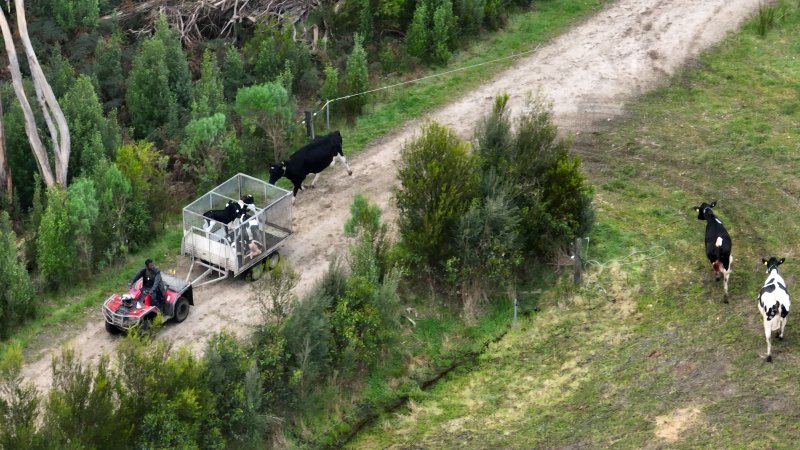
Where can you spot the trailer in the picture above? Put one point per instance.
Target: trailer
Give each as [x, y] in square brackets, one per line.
[248, 246]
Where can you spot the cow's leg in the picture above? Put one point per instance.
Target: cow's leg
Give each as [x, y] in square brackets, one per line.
[768, 334]
[727, 274]
[783, 325]
[208, 225]
[344, 161]
[314, 181]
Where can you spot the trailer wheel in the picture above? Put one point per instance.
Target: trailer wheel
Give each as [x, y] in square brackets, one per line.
[112, 329]
[256, 272]
[273, 260]
[181, 309]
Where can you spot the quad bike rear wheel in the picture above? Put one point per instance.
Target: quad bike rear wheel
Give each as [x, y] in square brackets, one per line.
[256, 272]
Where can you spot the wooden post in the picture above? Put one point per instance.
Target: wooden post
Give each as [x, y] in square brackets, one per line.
[309, 124]
[578, 261]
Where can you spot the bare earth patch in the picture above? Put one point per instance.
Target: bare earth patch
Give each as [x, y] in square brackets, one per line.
[589, 73]
[670, 426]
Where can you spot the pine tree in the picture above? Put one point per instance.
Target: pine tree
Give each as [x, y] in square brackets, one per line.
[356, 77]
[180, 79]
[108, 68]
[417, 34]
[208, 94]
[151, 103]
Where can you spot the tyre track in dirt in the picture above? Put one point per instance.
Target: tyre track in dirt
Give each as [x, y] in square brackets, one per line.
[588, 73]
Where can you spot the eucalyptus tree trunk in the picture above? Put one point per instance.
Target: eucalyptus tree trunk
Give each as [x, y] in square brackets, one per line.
[39, 152]
[47, 100]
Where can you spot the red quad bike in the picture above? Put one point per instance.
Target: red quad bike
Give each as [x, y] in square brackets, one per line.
[125, 311]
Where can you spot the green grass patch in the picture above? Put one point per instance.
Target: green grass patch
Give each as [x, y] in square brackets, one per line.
[644, 353]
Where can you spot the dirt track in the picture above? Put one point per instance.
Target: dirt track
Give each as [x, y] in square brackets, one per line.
[589, 73]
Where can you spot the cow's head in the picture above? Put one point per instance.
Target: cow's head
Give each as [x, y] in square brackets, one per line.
[772, 263]
[247, 199]
[703, 209]
[276, 171]
[336, 137]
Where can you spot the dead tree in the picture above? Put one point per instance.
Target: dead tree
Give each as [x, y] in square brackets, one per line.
[51, 110]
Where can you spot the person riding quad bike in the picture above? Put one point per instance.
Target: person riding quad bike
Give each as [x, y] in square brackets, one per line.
[152, 285]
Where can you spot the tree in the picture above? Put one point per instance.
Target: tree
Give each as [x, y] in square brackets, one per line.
[356, 77]
[108, 68]
[55, 246]
[438, 181]
[113, 190]
[70, 14]
[18, 404]
[440, 53]
[417, 34]
[6, 176]
[180, 80]
[151, 103]
[53, 116]
[209, 98]
[267, 107]
[233, 74]
[202, 146]
[85, 118]
[83, 211]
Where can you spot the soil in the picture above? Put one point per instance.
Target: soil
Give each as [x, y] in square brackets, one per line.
[589, 73]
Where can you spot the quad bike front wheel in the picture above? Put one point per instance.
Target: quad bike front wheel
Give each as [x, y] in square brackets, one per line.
[181, 309]
[112, 329]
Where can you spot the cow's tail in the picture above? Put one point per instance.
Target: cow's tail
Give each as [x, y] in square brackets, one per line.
[718, 248]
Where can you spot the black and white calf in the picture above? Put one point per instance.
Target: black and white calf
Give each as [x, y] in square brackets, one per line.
[773, 301]
[224, 216]
[718, 243]
[313, 157]
[233, 211]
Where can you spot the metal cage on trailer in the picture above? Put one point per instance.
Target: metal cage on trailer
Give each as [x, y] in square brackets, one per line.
[240, 247]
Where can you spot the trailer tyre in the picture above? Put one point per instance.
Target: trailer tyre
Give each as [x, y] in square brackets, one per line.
[112, 329]
[273, 260]
[181, 309]
[256, 272]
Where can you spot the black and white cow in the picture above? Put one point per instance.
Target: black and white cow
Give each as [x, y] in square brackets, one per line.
[313, 157]
[233, 210]
[718, 243]
[773, 301]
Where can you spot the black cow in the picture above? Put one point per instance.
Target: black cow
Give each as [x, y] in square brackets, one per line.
[313, 157]
[718, 243]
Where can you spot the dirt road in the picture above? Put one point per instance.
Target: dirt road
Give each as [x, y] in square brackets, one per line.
[589, 73]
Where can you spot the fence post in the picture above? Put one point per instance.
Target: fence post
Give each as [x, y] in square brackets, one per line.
[309, 124]
[328, 115]
[578, 261]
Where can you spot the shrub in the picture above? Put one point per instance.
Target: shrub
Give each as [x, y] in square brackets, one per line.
[330, 87]
[110, 239]
[371, 247]
[179, 77]
[70, 14]
[273, 293]
[16, 292]
[271, 49]
[438, 181]
[470, 15]
[146, 168]
[18, 404]
[229, 368]
[440, 34]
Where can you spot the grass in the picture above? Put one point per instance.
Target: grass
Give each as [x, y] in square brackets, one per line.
[644, 354]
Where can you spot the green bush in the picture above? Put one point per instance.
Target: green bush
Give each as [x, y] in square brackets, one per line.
[230, 369]
[266, 107]
[16, 293]
[233, 73]
[438, 181]
[179, 77]
[18, 405]
[548, 188]
[330, 87]
[356, 78]
[440, 34]
[470, 15]
[71, 14]
[203, 148]
[55, 246]
[272, 49]
[110, 239]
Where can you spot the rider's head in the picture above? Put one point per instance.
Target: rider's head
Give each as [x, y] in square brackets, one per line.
[149, 264]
